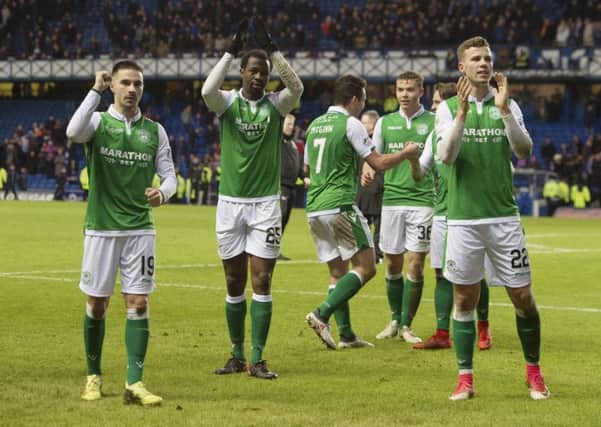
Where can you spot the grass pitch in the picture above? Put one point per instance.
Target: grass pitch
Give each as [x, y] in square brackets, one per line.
[42, 363]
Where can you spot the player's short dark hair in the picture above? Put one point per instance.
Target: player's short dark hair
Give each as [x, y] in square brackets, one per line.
[255, 53]
[446, 90]
[477, 41]
[372, 114]
[348, 86]
[126, 65]
[411, 75]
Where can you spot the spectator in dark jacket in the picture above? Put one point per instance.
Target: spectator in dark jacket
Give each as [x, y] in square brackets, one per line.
[290, 172]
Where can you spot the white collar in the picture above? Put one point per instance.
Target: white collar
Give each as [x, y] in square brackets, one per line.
[488, 96]
[419, 112]
[117, 115]
[250, 100]
[338, 109]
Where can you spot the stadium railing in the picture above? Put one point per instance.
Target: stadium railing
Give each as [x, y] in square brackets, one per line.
[558, 63]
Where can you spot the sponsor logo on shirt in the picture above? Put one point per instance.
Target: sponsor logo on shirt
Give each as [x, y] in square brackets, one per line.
[398, 146]
[481, 135]
[252, 130]
[394, 127]
[125, 158]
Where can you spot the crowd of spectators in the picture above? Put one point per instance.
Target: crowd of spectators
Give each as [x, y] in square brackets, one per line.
[58, 28]
[41, 148]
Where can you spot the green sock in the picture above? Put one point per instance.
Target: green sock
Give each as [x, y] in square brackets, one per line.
[394, 291]
[529, 333]
[482, 308]
[345, 289]
[343, 319]
[235, 314]
[93, 337]
[443, 302]
[412, 295]
[260, 319]
[136, 342]
[464, 335]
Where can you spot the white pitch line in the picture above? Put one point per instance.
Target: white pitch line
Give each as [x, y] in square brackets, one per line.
[536, 249]
[159, 267]
[545, 235]
[300, 292]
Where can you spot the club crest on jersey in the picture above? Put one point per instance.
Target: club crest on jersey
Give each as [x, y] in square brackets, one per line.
[494, 113]
[143, 136]
[421, 129]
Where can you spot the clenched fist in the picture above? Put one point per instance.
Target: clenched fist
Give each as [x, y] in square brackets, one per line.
[103, 80]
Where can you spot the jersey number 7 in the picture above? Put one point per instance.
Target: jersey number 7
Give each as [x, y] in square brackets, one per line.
[321, 143]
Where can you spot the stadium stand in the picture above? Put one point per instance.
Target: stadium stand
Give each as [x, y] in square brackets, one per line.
[67, 29]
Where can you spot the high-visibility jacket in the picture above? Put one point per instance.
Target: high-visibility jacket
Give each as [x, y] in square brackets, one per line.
[84, 180]
[580, 196]
[206, 174]
[551, 189]
[181, 187]
[564, 191]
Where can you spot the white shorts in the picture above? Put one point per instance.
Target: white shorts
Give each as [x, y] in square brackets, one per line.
[340, 234]
[405, 229]
[505, 245]
[437, 240]
[254, 228]
[104, 255]
[491, 274]
[437, 244]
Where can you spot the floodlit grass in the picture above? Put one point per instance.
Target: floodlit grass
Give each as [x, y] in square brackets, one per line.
[42, 363]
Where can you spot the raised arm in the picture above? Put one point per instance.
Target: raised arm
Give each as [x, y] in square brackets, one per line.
[218, 100]
[286, 99]
[84, 122]
[450, 132]
[516, 131]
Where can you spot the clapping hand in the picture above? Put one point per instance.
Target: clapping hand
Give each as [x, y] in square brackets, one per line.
[263, 37]
[502, 93]
[464, 88]
[239, 39]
